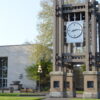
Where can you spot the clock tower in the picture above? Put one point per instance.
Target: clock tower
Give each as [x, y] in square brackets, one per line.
[76, 42]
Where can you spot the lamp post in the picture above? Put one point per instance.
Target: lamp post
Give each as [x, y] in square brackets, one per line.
[39, 71]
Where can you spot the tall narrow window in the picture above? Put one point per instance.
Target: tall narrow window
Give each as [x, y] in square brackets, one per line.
[56, 84]
[3, 71]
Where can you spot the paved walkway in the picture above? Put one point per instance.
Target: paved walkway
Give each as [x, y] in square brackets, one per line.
[57, 99]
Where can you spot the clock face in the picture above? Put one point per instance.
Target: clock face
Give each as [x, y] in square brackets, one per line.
[74, 30]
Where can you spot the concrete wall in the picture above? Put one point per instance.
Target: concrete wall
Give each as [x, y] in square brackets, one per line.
[18, 60]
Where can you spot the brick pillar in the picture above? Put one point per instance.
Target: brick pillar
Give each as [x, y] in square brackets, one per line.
[91, 84]
[57, 84]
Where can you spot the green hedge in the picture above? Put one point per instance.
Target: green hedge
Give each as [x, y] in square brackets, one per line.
[19, 98]
[20, 94]
[9, 94]
[79, 92]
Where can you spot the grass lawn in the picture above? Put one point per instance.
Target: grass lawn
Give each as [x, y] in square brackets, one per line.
[19, 98]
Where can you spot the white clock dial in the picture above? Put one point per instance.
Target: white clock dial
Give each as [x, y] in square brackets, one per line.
[74, 30]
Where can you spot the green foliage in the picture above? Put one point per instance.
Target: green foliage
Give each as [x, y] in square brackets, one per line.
[32, 72]
[79, 92]
[9, 94]
[42, 50]
[45, 25]
[39, 52]
[21, 94]
[83, 67]
[20, 98]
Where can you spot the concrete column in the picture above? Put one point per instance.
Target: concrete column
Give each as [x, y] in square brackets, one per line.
[59, 91]
[55, 35]
[94, 36]
[99, 28]
[61, 32]
[87, 34]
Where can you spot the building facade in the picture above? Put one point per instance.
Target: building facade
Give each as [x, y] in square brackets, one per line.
[14, 59]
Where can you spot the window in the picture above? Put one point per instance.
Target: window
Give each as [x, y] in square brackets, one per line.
[56, 84]
[68, 84]
[3, 71]
[20, 76]
[90, 84]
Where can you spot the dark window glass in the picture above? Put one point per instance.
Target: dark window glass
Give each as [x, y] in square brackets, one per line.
[68, 84]
[0, 73]
[78, 44]
[64, 84]
[56, 84]
[77, 16]
[72, 17]
[3, 71]
[83, 16]
[90, 84]
[20, 76]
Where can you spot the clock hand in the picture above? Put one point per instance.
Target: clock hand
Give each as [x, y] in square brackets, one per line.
[75, 30]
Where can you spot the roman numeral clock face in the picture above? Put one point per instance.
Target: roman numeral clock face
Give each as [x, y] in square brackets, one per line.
[75, 32]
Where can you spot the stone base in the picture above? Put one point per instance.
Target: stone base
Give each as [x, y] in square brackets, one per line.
[91, 95]
[71, 94]
[94, 90]
[57, 94]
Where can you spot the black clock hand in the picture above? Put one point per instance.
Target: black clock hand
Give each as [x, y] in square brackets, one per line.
[75, 30]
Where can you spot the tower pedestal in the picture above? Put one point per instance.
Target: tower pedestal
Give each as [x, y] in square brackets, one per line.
[91, 84]
[70, 88]
[57, 84]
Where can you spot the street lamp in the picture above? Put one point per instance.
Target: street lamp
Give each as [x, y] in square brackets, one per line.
[39, 71]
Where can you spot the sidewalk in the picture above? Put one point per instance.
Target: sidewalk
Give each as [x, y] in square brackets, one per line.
[57, 99]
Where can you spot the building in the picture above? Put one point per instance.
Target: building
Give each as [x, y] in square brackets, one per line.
[13, 61]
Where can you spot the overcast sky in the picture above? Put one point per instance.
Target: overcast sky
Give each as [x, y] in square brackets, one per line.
[18, 21]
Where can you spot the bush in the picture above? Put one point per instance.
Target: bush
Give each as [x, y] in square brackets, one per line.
[21, 94]
[9, 94]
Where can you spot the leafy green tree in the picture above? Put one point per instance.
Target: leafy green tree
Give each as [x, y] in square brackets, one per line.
[42, 50]
[33, 74]
[83, 67]
[45, 25]
[39, 52]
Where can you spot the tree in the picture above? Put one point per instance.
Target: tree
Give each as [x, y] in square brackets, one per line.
[42, 50]
[32, 73]
[45, 25]
[39, 52]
